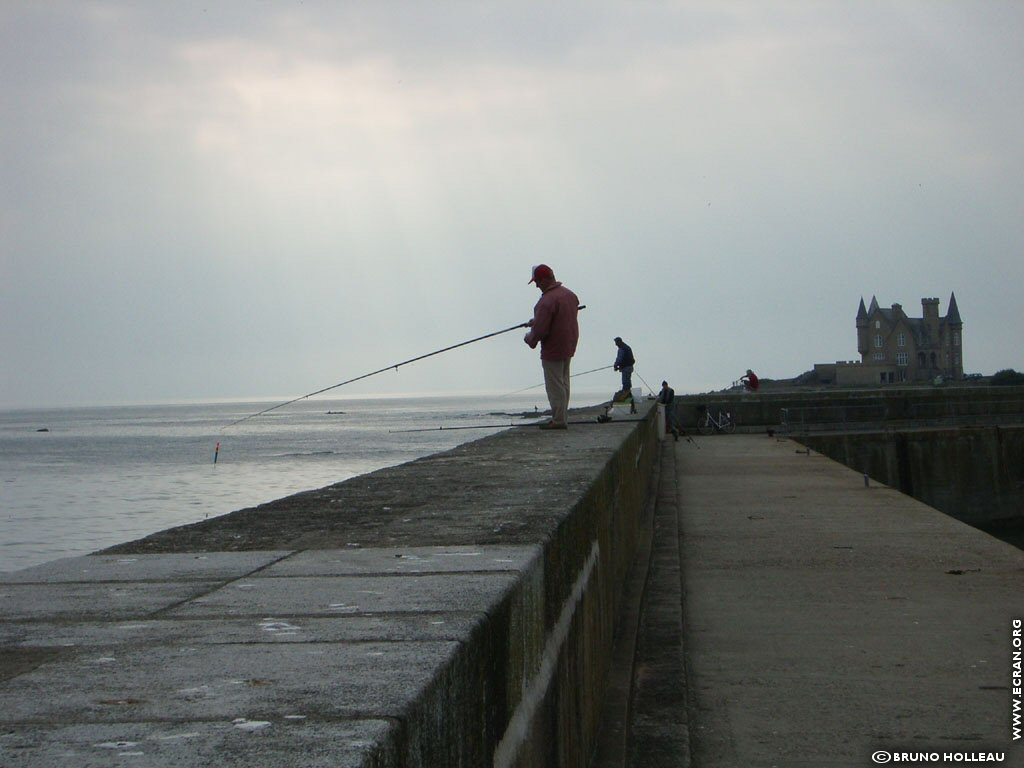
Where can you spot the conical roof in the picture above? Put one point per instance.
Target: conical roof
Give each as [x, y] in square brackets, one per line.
[953, 314]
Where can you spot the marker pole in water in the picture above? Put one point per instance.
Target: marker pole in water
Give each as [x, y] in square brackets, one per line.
[216, 451]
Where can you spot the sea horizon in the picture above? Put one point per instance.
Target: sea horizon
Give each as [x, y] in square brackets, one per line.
[538, 389]
[78, 479]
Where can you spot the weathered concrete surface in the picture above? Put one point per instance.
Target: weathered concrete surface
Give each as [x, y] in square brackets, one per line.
[454, 611]
[825, 620]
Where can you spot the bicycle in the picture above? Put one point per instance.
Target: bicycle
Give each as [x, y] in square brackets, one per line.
[708, 424]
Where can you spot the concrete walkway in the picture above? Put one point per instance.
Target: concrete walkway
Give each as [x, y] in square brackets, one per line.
[825, 621]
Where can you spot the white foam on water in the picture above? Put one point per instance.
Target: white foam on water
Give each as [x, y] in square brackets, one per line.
[250, 725]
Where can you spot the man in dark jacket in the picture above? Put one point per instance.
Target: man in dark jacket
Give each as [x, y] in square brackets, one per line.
[624, 363]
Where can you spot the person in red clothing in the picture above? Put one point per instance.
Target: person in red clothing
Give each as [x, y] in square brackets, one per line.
[554, 326]
[750, 381]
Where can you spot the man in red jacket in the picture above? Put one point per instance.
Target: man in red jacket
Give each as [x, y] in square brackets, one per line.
[555, 327]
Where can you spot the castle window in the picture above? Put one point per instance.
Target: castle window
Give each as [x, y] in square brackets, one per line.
[956, 338]
[878, 356]
[901, 340]
[878, 324]
[878, 341]
[902, 358]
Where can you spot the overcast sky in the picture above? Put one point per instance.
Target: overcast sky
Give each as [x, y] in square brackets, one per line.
[259, 199]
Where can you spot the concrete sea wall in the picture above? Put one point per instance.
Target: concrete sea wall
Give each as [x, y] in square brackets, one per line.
[552, 660]
[959, 448]
[808, 409]
[458, 610]
[975, 474]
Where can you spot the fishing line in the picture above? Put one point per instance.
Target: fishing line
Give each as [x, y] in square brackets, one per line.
[471, 426]
[645, 383]
[394, 366]
[514, 426]
[584, 373]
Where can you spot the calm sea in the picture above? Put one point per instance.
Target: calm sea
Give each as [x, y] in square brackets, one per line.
[100, 476]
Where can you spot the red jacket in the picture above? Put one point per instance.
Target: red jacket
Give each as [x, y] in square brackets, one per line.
[554, 324]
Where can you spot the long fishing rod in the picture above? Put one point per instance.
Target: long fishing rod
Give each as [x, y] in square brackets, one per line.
[393, 367]
[471, 426]
[584, 373]
[513, 426]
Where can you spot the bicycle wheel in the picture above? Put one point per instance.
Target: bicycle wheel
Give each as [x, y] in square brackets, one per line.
[729, 427]
[705, 425]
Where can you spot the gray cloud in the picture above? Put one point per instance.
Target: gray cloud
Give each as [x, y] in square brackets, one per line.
[262, 198]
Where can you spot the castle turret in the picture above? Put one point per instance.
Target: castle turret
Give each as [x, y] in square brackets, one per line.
[953, 313]
[862, 329]
[955, 329]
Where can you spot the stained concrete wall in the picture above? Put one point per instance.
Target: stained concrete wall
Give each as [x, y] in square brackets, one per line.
[975, 474]
[959, 448]
[961, 403]
[576, 589]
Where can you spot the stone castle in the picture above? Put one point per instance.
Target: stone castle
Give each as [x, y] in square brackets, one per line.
[895, 348]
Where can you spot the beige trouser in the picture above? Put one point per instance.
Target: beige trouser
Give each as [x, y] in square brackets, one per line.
[556, 382]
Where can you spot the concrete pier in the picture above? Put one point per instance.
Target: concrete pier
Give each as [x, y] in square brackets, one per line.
[454, 611]
[582, 598]
[823, 620]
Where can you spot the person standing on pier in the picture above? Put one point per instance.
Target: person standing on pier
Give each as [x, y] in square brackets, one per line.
[624, 363]
[667, 397]
[556, 328]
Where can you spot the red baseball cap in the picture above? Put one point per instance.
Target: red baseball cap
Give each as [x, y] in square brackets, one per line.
[542, 271]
